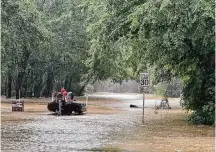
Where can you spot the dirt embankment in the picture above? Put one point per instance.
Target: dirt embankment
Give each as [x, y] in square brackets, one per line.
[168, 131]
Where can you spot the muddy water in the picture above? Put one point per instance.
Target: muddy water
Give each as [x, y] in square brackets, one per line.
[66, 133]
[49, 133]
[137, 99]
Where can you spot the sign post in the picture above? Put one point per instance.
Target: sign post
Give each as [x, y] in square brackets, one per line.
[144, 82]
[143, 106]
[60, 106]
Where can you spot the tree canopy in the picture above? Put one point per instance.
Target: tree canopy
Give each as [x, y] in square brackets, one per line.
[176, 36]
[43, 47]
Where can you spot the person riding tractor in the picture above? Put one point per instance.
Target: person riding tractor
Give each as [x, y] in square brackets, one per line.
[68, 96]
[64, 104]
[63, 91]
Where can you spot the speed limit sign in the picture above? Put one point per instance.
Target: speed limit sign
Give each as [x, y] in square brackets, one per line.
[144, 79]
[145, 83]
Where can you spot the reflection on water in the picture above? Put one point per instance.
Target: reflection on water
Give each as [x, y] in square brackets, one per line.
[65, 133]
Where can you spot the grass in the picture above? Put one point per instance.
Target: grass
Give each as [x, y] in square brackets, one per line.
[167, 131]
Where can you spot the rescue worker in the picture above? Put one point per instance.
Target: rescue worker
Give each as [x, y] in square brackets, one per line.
[64, 97]
[70, 96]
[63, 91]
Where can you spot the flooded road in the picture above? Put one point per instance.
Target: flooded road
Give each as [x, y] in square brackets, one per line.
[136, 99]
[67, 133]
[87, 132]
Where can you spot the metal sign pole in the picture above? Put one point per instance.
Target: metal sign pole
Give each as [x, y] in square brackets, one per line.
[59, 103]
[86, 102]
[59, 108]
[144, 82]
[143, 106]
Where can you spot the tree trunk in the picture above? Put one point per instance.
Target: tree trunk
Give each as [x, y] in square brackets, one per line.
[4, 92]
[23, 64]
[83, 87]
[19, 83]
[81, 90]
[66, 83]
[38, 88]
[9, 86]
[31, 85]
[49, 84]
[25, 87]
[69, 84]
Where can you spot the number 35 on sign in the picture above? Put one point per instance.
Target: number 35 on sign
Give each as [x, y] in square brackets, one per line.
[144, 79]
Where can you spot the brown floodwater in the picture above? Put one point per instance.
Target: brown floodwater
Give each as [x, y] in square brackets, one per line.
[51, 133]
[64, 133]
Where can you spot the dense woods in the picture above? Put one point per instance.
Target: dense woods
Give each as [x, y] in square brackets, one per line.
[44, 46]
[47, 44]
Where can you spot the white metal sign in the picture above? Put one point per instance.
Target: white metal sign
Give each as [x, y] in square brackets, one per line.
[144, 82]
[144, 79]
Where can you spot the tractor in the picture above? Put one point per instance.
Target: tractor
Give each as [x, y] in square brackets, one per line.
[66, 105]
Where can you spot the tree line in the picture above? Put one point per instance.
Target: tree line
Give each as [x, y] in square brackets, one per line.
[50, 44]
[44, 45]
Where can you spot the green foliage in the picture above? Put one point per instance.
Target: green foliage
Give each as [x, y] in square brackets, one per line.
[22, 33]
[43, 47]
[170, 88]
[203, 116]
[175, 36]
[68, 45]
[161, 89]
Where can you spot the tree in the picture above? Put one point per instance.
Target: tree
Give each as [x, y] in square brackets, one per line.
[68, 46]
[44, 46]
[175, 35]
[22, 33]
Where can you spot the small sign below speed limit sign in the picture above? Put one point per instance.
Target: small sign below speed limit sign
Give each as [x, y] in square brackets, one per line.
[144, 79]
